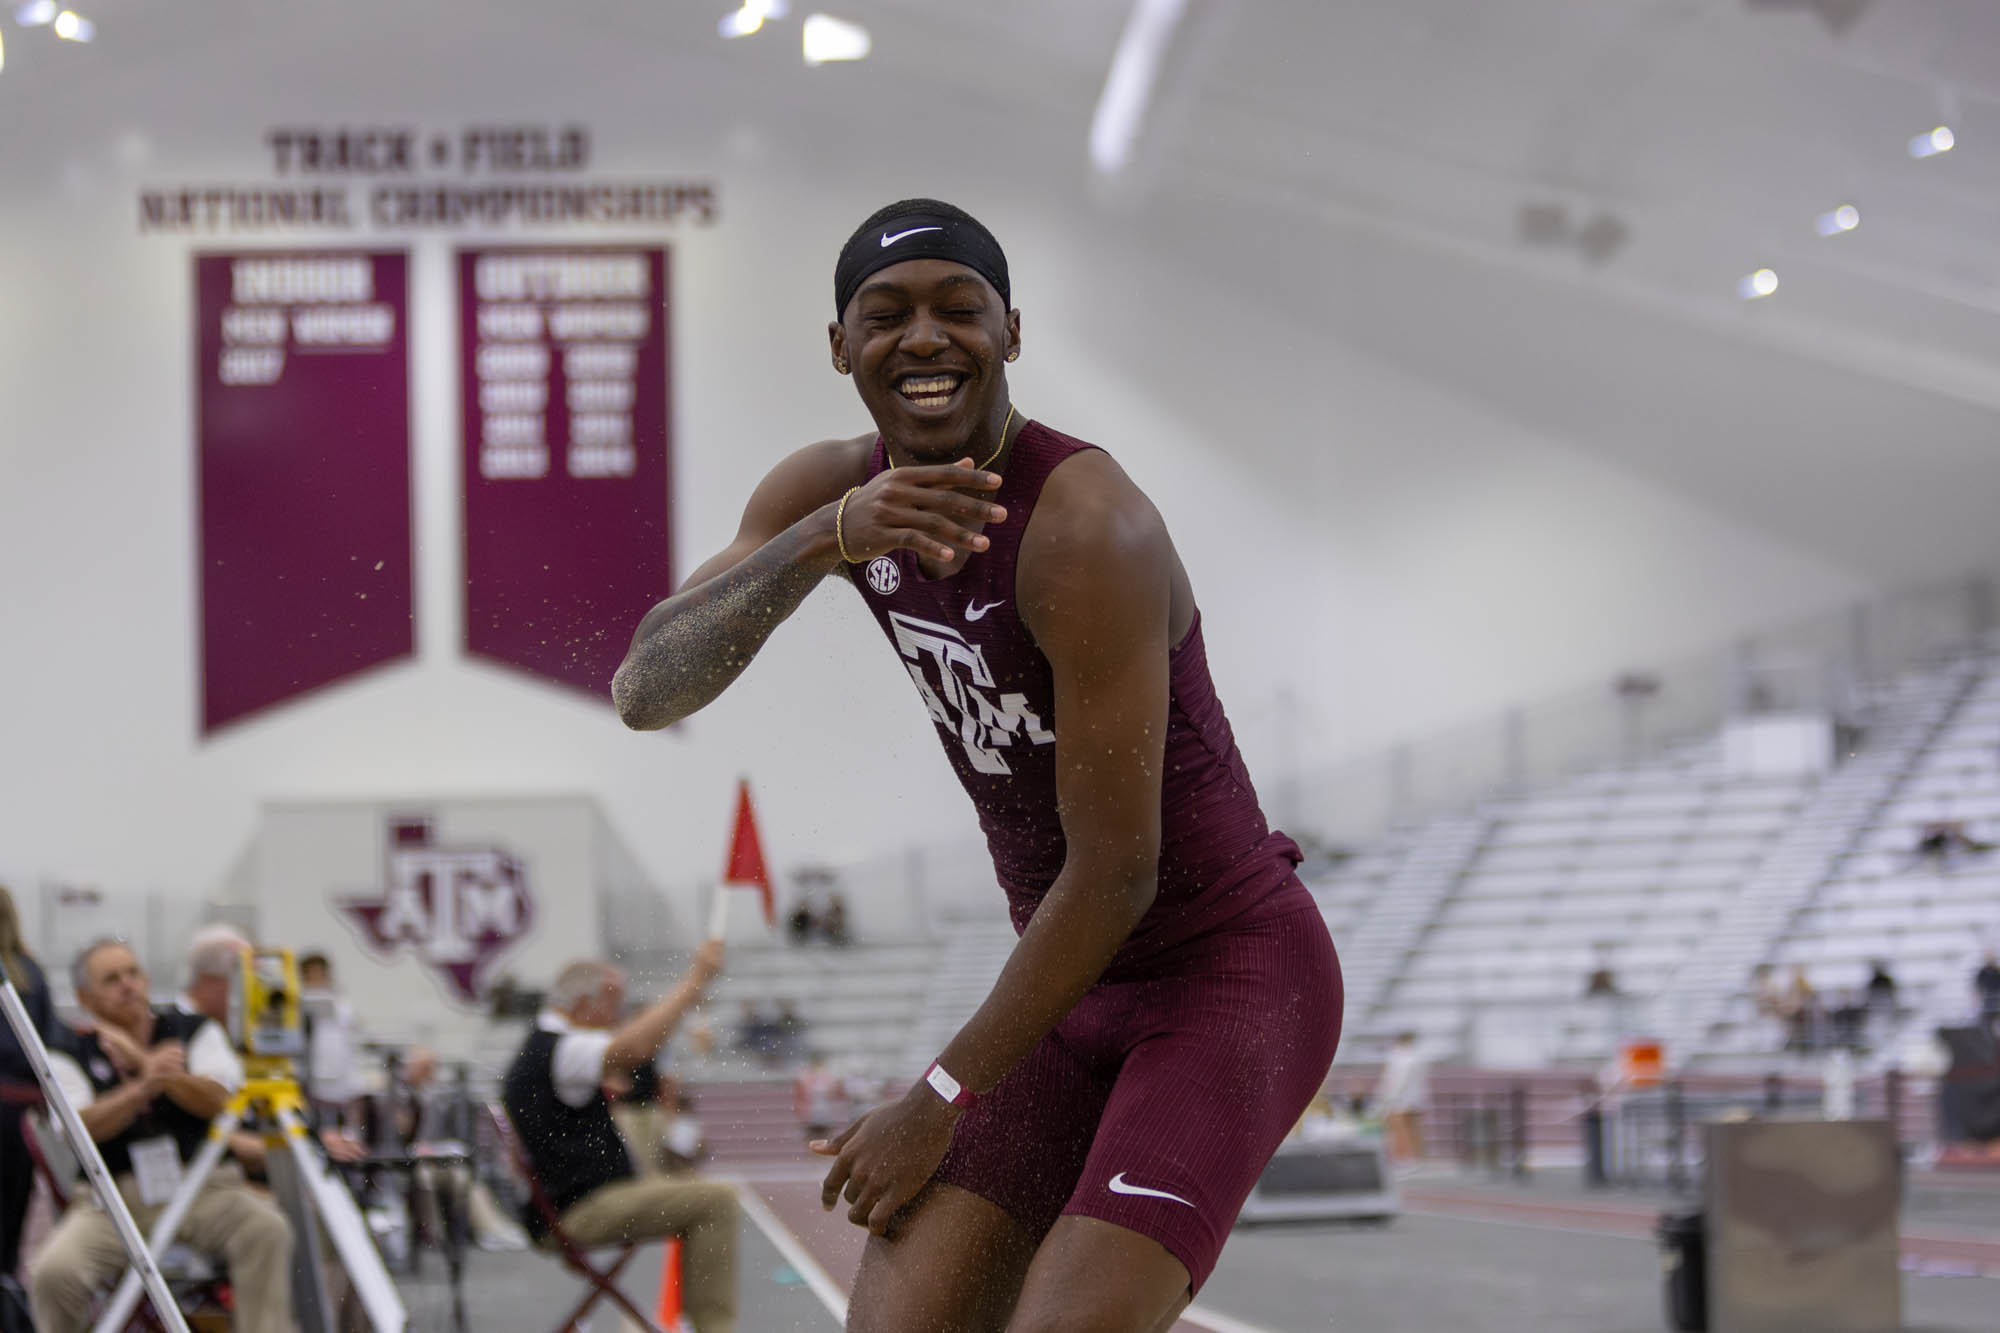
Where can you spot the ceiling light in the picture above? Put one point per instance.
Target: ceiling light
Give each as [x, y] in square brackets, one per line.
[74, 27]
[828, 38]
[1121, 107]
[35, 13]
[1845, 218]
[3, 52]
[1761, 283]
[740, 22]
[767, 9]
[1933, 142]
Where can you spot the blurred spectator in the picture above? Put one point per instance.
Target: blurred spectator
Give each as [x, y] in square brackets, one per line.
[1987, 982]
[1847, 1020]
[427, 1122]
[757, 1031]
[555, 1095]
[1837, 1091]
[1603, 983]
[1882, 1008]
[791, 1031]
[1943, 840]
[1801, 1012]
[821, 912]
[1400, 1096]
[817, 1097]
[1769, 996]
[802, 923]
[18, 1088]
[333, 1074]
[149, 1122]
[833, 919]
[214, 959]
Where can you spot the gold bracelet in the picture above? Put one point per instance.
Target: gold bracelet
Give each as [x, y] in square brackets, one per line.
[840, 539]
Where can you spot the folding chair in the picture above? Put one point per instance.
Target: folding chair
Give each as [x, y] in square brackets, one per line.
[196, 1283]
[603, 1281]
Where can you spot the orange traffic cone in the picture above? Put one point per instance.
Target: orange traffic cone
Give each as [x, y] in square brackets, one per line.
[667, 1314]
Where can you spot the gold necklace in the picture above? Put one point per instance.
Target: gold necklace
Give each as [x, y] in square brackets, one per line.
[989, 458]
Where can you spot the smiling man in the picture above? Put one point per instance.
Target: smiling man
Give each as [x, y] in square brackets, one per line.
[1076, 1155]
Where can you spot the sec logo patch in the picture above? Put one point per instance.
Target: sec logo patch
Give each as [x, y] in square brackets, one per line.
[883, 576]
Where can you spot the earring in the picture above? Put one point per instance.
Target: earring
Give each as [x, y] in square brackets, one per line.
[1014, 355]
[840, 366]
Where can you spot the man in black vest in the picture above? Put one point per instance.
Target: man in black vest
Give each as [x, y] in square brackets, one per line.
[146, 1083]
[556, 1094]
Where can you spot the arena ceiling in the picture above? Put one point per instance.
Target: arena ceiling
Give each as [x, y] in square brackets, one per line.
[1545, 206]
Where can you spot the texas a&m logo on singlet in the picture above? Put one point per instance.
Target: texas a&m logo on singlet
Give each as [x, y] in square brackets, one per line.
[956, 699]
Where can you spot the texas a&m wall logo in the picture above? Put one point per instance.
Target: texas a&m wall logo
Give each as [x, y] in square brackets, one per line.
[456, 908]
[957, 703]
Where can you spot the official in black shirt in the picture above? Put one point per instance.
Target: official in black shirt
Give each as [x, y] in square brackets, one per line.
[557, 1094]
[146, 1084]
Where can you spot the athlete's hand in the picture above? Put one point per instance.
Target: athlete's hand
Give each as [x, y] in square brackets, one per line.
[885, 1157]
[923, 509]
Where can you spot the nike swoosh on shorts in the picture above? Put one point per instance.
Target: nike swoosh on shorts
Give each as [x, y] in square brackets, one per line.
[888, 240]
[1118, 1186]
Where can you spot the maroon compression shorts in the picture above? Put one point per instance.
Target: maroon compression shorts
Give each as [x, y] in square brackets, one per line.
[1157, 1103]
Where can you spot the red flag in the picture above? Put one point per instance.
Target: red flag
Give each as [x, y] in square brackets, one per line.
[746, 854]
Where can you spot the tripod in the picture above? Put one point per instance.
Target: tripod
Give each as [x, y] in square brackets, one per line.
[307, 1190]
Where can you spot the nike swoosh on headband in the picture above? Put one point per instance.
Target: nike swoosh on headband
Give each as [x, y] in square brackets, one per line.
[888, 240]
[1118, 1186]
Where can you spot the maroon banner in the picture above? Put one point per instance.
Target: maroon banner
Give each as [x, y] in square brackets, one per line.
[303, 437]
[566, 454]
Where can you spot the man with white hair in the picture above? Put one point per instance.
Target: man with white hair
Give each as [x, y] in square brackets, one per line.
[149, 1122]
[214, 957]
[556, 1094]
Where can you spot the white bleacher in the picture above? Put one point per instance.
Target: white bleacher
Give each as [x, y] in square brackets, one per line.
[1926, 921]
[1626, 867]
[858, 1001]
[1932, 757]
[1349, 889]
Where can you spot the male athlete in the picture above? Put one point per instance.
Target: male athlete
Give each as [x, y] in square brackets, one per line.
[1077, 1153]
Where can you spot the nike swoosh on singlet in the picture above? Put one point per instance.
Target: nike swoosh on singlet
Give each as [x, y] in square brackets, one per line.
[1118, 1186]
[979, 612]
[888, 240]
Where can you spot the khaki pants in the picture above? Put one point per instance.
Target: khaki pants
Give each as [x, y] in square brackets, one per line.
[701, 1212]
[644, 1129]
[227, 1220]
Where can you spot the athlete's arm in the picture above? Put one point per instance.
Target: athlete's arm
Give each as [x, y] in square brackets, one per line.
[1096, 592]
[1095, 583]
[690, 647]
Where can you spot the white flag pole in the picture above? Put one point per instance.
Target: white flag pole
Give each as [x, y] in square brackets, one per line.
[718, 913]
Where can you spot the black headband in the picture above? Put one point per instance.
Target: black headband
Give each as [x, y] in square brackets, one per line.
[918, 236]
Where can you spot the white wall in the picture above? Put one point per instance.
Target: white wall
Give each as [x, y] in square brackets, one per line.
[1393, 558]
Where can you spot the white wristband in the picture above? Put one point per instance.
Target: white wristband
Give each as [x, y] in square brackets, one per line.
[947, 1087]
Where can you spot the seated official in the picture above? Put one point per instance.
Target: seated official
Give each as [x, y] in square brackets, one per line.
[556, 1094]
[146, 1083]
[424, 1119]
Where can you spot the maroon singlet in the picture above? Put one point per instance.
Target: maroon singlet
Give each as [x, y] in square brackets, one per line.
[991, 693]
[1156, 1102]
